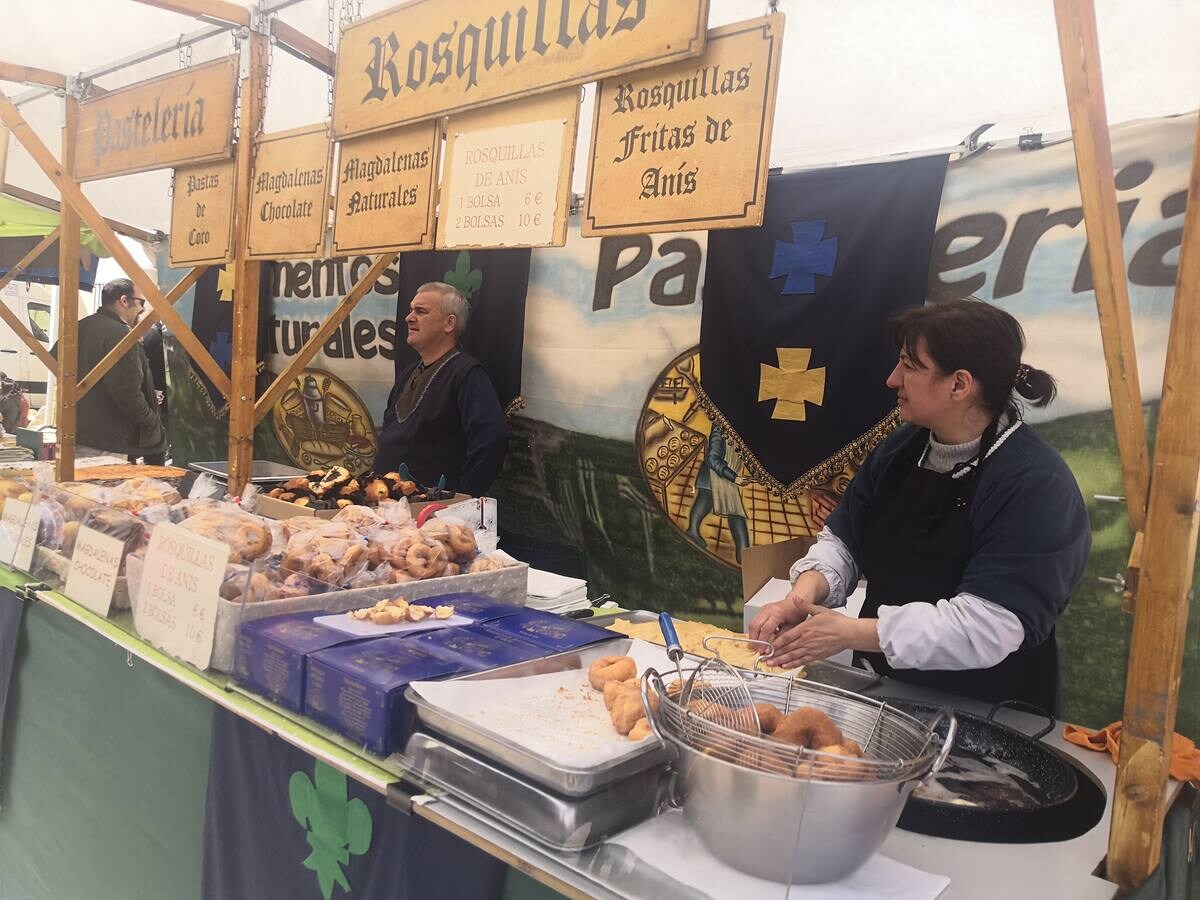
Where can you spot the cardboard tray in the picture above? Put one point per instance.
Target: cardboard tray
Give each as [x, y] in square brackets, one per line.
[273, 508]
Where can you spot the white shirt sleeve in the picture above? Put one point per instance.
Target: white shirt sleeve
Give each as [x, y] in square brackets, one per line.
[964, 632]
[831, 558]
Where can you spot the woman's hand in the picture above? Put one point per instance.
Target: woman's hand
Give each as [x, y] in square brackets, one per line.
[821, 633]
[809, 587]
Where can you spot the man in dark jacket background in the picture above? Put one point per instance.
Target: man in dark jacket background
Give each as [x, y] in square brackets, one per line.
[120, 414]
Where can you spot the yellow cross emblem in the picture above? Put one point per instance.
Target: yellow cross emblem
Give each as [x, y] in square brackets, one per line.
[791, 383]
[225, 281]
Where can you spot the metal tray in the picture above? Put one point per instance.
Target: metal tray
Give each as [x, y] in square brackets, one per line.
[262, 470]
[568, 780]
[822, 671]
[561, 823]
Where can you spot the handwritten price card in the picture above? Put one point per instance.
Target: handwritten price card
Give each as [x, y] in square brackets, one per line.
[18, 533]
[93, 573]
[177, 603]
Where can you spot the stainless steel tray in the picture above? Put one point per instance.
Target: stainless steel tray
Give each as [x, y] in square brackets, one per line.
[571, 781]
[568, 824]
[822, 671]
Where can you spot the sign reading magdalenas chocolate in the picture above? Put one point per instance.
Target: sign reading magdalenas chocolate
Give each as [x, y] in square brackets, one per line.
[430, 58]
[183, 117]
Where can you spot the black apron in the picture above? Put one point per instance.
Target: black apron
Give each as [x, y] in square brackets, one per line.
[917, 545]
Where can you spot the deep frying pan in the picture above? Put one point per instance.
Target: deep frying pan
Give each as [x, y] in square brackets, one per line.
[1030, 793]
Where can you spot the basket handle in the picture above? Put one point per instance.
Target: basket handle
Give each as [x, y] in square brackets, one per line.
[947, 745]
[651, 715]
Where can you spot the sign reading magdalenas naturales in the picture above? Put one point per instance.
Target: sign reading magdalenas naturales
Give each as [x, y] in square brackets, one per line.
[431, 58]
[180, 118]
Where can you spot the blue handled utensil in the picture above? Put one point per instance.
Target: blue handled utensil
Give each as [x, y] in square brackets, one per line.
[674, 650]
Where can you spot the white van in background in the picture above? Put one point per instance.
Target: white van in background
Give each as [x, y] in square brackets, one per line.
[33, 305]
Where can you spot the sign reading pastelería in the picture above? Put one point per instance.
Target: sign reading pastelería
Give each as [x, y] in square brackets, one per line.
[430, 58]
[176, 607]
[685, 146]
[179, 118]
[386, 190]
[507, 181]
[202, 214]
[289, 194]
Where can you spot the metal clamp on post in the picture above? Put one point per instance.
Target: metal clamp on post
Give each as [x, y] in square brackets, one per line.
[260, 19]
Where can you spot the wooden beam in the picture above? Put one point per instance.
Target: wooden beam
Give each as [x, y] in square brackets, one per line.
[247, 273]
[301, 46]
[1165, 583]
[1080, 51]
[320, 336]
[31, 75]
[126, 343]
[221, 12]
[11, 319]
[68, 308]
[72, 195]
[138, 234]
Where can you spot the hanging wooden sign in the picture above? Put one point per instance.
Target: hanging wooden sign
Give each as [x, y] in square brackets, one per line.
[289, 194]
[202, 214]
[179, 118]
[430, 58]
[387, 190]
[507, 180]
[685, 147]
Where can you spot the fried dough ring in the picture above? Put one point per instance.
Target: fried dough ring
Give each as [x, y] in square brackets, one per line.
[769, 716]
[808, 727]
[626, 712]
[461, 541]
[611, 668]
[425, 560]
[615, 689]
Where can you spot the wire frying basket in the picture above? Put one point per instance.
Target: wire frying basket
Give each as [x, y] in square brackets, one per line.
[716, 717]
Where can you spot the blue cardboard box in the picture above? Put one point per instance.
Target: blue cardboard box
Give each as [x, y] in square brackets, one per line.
[269, 654]
[358, 690]
[475, 607]
[479, 646]
[552, 632]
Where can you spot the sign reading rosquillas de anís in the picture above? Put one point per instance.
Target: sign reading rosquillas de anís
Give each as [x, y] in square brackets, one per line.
[431, 58]
[183, 117]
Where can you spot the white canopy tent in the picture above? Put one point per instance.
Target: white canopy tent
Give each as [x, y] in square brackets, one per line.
[860, 79]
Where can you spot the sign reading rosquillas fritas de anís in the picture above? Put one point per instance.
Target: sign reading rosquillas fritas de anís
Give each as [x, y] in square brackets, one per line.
[430, 57]
[686, 146]
[179, 118]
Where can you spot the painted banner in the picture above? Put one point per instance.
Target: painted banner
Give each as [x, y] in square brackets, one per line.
[507, 181]
[289, 194]
[183, 117]
[278, 823]
[387, 190]
[687, 145]
[430, 58]
[202, 214]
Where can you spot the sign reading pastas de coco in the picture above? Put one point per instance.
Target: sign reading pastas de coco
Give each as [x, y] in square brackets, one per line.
[685, 146]
[289, 194]
[386, 190]
[202, 214]
[176, 608]
[183, 117]
[430, 58]
[507, 180]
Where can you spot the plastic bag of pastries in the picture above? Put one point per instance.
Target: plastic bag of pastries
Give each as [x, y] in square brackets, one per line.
[78, 498]
[52, 526]
[137, 493]
[457, 537]
[13, 487]
[126, 528]
[248, 537]
[360, 518]
[486, 562]
[329, 555]
[388, 544]
[425, 558]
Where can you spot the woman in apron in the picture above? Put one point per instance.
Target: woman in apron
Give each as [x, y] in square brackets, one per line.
[969, 529]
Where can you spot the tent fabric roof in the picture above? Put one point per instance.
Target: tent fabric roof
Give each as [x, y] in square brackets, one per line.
[20, 219]
[859, 80]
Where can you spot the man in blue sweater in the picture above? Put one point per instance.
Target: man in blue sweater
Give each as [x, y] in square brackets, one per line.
[443, 416]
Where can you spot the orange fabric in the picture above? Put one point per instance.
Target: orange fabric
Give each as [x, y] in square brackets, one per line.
[1185, 757]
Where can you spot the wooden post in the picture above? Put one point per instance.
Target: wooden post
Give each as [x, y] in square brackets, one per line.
[1093, 159]
[247, 273]
[68, 305]
[1165, 582]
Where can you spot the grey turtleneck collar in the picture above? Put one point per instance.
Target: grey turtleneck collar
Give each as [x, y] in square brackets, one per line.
[942, 458]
